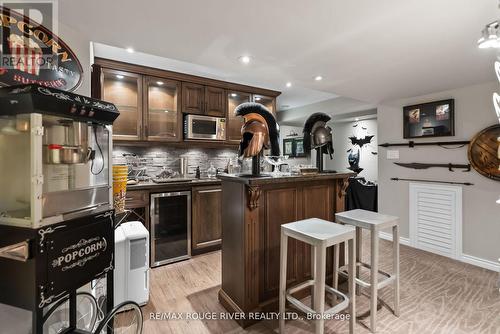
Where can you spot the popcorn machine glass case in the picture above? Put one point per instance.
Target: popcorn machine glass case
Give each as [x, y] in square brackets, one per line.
[55, 156]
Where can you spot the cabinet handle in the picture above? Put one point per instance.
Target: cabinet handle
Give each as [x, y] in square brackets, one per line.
[209, 191]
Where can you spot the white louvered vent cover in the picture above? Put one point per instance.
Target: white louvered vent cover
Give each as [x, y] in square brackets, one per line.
[436, 218]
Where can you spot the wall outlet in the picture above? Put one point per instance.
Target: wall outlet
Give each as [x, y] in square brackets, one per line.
[393, 154]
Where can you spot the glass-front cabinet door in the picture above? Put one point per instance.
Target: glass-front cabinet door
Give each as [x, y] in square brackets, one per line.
[267, 101]
[163, 117]
[124, 90]
[234, 123]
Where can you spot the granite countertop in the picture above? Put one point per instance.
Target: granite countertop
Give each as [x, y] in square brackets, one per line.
[188, 183]
[266, 179]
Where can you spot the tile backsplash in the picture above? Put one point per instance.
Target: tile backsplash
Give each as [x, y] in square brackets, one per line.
[155, 158]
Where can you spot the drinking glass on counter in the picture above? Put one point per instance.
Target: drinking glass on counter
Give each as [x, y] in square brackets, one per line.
[233, 166]
[276, 161]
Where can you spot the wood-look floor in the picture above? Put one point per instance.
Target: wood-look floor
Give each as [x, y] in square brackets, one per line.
[438, 295]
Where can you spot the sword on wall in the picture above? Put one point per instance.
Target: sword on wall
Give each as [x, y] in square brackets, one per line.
[450, 166]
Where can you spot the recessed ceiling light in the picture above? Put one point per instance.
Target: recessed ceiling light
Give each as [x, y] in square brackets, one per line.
[244, 59]
[356, 119]
[289, 84]
[166, 110]
[318, 78]
[159, 83]
[119, 76]
[257, 98]
[234, 94]
[130, 50]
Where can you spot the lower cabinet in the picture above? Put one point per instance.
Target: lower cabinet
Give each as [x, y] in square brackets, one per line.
[137, 203]
[206, 228]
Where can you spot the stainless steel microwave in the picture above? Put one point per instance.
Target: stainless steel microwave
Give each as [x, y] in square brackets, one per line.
[204, 127]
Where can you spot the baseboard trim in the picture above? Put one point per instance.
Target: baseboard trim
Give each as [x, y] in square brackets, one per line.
[388, 236]
[476, 261]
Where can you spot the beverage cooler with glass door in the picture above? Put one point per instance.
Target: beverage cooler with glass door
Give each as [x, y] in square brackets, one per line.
[170, 227]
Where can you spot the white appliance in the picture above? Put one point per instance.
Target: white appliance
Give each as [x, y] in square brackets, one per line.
[204, 127]
[131, 274]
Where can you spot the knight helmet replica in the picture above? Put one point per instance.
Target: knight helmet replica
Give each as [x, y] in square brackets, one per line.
[259, 131]
[317, 134]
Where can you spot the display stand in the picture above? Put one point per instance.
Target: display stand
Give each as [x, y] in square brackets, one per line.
[319, 159]
[256, 165]
[54, 268]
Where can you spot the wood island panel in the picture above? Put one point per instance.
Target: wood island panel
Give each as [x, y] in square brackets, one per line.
[253, 209]
[206, 218]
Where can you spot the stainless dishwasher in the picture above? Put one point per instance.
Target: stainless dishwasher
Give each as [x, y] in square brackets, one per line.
[170, 227]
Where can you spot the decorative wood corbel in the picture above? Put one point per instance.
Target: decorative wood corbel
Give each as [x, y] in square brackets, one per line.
[342, 184]
[253, 196]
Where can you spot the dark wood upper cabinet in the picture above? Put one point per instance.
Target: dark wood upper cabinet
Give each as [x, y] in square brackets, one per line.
[150, 111]
[206, 231]
[124, 89]
[267, 101]
[193, 98]
[162, 116]
[235, 123]
[203, 100]
[215, 101]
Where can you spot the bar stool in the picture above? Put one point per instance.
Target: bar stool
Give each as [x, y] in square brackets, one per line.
[320, 234]
[374, 222]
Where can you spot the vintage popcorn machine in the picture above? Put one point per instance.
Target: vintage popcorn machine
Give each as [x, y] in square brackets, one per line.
[56, 206]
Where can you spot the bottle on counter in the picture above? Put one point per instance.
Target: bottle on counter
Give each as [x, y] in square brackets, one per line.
[198, 173]
[183, 166]
[212, 172]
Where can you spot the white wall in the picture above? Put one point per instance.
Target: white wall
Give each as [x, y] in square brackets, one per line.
[81, 47]
[481, 215]
[335, 107]
[285, 131]
[341, 143]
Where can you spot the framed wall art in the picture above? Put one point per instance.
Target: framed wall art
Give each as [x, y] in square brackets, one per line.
[432, 119]
[288, 147]
[298, 147]
[294, 147]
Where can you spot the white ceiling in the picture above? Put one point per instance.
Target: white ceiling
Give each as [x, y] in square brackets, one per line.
[367, 50]
[290, 98]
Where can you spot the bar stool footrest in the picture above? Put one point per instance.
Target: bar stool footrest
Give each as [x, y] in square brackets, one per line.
[388, 277]
[306, 309]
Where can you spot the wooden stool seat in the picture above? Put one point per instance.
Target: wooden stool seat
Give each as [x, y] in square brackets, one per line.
[374, 222]
[320, 234]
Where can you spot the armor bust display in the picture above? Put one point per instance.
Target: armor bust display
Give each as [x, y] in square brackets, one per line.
[318, 136]
[260, 131]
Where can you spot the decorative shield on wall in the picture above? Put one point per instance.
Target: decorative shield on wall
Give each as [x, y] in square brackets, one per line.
[484, 152]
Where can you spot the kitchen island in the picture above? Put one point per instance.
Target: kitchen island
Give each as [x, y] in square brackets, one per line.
[253, 208]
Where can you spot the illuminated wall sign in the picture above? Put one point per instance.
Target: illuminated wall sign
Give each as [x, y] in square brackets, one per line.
[31, 53]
